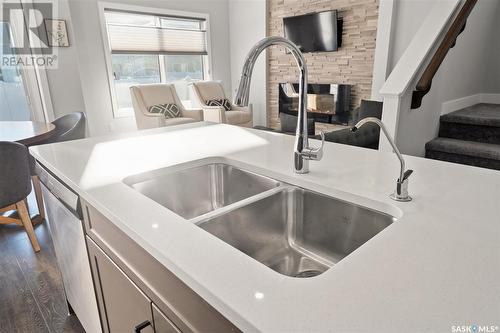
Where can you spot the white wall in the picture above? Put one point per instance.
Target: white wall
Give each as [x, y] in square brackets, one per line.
[408, 17]
[492, 52]
[247, 25]
[64, 81]
[88, 39]
[471, 67]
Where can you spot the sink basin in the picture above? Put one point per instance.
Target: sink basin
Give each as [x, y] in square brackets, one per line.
[199, 190]
[296, 232]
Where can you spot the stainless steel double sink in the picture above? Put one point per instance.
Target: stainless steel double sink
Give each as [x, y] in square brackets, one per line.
[294, 231]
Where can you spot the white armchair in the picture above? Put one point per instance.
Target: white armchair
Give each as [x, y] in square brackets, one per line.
[204, 91]
[147, 95]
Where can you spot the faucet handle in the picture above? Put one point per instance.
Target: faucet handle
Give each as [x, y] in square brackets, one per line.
[315, 154]
[406, 175]
[401, 193]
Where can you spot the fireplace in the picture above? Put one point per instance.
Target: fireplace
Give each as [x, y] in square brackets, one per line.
[327, 103]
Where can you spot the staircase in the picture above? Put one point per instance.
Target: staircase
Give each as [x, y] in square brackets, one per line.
[469, 136]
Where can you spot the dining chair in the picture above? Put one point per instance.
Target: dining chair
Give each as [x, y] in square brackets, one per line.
[68, 127]
[15, 186]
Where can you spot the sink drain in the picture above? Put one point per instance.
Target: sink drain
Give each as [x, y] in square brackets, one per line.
[308, 273]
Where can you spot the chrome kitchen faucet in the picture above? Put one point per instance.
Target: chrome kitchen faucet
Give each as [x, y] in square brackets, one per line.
[302, 151]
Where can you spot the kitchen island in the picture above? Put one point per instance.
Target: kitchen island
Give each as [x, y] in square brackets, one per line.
[437, 266]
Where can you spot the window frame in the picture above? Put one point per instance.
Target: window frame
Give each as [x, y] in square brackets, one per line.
[103, 6]
[35, 81]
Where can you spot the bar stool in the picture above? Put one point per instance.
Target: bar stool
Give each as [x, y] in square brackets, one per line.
[15, 185]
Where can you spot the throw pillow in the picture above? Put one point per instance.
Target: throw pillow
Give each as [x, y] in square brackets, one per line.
[220, 102]
[169, 110]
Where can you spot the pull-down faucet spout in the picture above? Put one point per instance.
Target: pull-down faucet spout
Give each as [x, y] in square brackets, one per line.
[302, 151]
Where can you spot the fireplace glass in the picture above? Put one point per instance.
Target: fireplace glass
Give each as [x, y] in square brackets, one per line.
[326, 103]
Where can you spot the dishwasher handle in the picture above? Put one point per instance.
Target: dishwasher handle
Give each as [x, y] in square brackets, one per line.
[63, 193]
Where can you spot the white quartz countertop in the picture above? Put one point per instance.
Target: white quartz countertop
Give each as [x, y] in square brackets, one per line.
[436, 267]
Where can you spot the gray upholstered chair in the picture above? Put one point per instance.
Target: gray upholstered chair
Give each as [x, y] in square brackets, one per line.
[15, 186]
[366, 136]
[146, 95]
[289, 124]
[68, 127]
[205, 91]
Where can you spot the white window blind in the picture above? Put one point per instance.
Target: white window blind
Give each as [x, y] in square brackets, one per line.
[168, 35]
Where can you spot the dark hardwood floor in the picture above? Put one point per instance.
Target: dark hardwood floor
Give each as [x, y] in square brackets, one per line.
[31, 291]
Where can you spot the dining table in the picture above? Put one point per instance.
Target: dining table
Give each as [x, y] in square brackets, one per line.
[28, 133]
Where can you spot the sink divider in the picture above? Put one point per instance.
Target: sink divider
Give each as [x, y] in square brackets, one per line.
[245, 202]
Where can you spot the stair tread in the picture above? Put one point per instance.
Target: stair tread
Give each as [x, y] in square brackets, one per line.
[461, 147]
[480, 114]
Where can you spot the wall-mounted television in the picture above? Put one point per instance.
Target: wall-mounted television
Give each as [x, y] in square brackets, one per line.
[315, 32]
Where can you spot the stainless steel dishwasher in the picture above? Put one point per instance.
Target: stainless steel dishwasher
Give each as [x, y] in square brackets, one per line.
[64, 217]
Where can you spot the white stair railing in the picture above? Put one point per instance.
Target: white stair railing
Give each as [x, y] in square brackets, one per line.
[398, 88]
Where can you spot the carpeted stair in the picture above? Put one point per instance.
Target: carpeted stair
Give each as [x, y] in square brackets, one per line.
[469, 136]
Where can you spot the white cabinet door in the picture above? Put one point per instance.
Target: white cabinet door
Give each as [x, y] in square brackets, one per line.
[124, 306]
[162, 323]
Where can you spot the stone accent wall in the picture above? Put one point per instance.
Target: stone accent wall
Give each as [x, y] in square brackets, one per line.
[351, 64]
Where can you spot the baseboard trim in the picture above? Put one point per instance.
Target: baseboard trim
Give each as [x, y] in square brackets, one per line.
[460, 103]
[490, 98]
[464, 102]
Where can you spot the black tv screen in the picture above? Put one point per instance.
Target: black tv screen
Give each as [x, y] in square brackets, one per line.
[317, 32]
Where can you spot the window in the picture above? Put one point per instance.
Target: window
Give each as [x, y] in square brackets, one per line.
[146, 48]
[13, 97]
